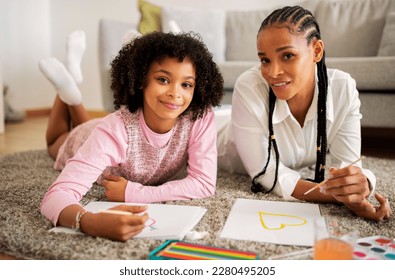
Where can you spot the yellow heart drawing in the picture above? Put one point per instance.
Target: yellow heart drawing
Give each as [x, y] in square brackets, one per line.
[302, 222]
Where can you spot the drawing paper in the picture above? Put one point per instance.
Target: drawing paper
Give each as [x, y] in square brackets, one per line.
[287, 223]
[165, 221]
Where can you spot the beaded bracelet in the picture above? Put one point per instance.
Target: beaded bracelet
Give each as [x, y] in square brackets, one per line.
[77, 226]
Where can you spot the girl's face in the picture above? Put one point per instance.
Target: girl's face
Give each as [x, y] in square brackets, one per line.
[169, 91]
[287, 62]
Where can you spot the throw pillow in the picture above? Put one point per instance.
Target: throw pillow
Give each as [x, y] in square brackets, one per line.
[351, 28]
[150, 17]
[210, 24]
[387, 44]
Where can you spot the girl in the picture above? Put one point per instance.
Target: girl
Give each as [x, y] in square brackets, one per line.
[165, 86]
[291, 112]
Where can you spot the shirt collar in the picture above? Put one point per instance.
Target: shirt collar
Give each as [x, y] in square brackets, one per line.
[282, 111]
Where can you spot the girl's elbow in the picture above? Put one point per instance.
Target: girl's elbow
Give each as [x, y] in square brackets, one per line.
[210, 189]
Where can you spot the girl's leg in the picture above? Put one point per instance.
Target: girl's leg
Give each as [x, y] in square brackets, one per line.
[62, 119]
[67, 111]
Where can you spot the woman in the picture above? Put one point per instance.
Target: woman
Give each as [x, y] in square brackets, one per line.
[292, 112]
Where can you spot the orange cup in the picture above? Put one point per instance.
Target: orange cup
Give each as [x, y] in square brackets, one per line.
[332, 241]
[332, 249]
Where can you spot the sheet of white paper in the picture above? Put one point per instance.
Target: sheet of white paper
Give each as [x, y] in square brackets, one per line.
[165, 221]
[287, 223]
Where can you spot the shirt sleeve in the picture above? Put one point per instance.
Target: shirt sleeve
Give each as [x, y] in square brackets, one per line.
[345, 146]
[200, 181]
[249, 126]
[106, 146]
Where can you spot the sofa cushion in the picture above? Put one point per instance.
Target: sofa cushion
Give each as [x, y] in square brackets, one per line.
[387, 43]
[351, 28]
[210, 24]
[231, 70]
[370, 73]
[241, 32]
[112, 34]
[150, 17]
[242, 28]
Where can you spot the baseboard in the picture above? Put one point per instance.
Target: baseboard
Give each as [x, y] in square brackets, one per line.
[97, 113]
[38, 112]
[43, 112]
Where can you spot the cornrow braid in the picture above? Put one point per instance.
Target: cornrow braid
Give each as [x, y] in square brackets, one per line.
[321, 121]
[256, 187]
[300, 21]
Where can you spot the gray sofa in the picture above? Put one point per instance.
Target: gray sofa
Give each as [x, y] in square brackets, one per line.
[359, 38]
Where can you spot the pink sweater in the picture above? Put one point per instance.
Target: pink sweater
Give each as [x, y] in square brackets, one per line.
[144, 161]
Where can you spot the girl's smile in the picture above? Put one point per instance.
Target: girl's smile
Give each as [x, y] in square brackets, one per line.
[170, 105]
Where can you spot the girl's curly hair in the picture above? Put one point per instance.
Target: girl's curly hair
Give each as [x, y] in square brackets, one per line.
[130, 67]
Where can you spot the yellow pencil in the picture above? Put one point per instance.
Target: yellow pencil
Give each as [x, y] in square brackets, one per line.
[323, 182]
[119, 212]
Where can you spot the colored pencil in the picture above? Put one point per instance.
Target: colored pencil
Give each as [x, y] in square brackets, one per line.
[182, 250]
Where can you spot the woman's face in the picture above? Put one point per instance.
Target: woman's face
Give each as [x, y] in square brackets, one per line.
[287, 62]
[169, 91]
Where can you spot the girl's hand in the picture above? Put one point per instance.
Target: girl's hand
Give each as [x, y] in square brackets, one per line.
[368, 211]
[115, 187]
[115, 226]
[347, 185]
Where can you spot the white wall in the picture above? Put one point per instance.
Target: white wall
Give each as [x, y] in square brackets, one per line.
[32, 30]
[25, 38]
[70, 15]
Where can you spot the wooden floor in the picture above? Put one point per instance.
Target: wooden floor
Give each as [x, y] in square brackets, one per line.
[26, 135]
[30, 135]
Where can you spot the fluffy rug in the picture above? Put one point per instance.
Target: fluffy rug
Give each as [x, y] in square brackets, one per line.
[25, 177]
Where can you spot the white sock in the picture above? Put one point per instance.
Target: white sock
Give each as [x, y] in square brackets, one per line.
[62, 80]
[75, 49]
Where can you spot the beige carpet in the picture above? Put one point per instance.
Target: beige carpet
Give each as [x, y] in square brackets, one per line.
[25, 177]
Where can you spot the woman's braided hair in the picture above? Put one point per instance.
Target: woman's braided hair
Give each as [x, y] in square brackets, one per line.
[300, 21]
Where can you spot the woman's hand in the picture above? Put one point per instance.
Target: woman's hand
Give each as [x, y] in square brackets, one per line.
[347, 185]
[115, 187]
[115, 226]
[367, 210]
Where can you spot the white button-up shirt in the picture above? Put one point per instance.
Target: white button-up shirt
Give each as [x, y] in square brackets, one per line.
[297, 145]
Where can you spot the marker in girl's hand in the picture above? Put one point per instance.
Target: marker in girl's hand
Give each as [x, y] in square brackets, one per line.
[323, 182]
